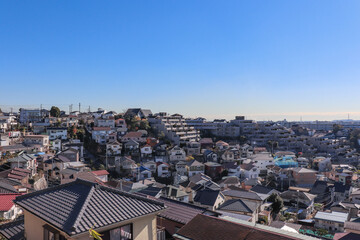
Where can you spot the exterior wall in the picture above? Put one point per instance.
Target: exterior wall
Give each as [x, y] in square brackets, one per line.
[143, 228]
[329, 225]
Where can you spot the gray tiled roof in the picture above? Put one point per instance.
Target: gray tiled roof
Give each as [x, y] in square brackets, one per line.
[13, 230]
[238, 205]
[77, 206]
[23, 158]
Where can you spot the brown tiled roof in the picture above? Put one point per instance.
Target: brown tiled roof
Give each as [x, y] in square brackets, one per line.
[101, 128]
[205, 227]
[133, 135]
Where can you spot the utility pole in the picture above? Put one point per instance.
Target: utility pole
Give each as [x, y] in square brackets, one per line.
[106, 157]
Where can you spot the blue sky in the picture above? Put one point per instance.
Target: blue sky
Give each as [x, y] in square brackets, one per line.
[216, 59]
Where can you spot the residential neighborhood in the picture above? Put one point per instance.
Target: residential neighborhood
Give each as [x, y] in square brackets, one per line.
[168, 174]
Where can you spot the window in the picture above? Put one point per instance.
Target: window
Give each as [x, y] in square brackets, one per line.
[51, 233]
[121, 233]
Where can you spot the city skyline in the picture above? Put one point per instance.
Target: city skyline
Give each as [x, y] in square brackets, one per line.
[267, 61]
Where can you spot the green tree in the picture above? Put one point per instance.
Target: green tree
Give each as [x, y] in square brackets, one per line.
[337, 128]
[144, 125]
[322, 231]
[277, 203]
[55, 111]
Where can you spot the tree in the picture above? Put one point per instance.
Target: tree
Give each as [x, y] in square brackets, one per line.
[277, 203]
[144, 125]
[55, 111]
[322, 231]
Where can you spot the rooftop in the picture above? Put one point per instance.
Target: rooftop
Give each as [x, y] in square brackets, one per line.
[77, 206]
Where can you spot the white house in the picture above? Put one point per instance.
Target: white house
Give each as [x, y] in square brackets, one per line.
[57, 133]
[249, 171]
[261, 161]
[163, 170]
[181, 168]
[195, 167]
[146, 151]
[113, 148]
[8, 210]
[177, 154]
[101, 174]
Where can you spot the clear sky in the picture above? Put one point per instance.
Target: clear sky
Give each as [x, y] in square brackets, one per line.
[216, 59]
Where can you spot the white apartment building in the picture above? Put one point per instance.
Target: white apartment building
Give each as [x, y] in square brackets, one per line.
[174, 127]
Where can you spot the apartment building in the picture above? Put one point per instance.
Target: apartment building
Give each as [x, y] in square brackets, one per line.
[174, 127]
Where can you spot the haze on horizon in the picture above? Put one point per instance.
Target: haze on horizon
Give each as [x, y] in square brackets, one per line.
[266, 60]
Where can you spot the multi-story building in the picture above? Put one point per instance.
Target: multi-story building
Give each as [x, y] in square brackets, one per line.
[174, 127]
[57, 133]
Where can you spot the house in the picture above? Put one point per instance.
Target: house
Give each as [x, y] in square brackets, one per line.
[8, 210]
[151, 191]
[126, 165]
[113, 148]
[146, 151]
[75, 144]
[105, 122]
[177, 214]
[249, 171]
[41, 140]
[100, 134]
[228, 156]
[260, 189]
[304, 177]
[229, 181]
[134, 136]
[322, 192]
[72, 209]
[332, 221]
[150, 165]
[177, 154]
[194, 167]
[244, 207]
[71, 153]
[56, 133]
[221, 145]
[25, 161]
[143, 173]
[181, 168]
[163, 170]
[206, 143]
[231, 228]
[342, 191]
[233, 168]
[261, 161]
[210, 156]
[175, 193]
[138, 112]
[213, 169]
[354, 196]
[322, 164]
[295, 200]
[121, 127]
[292, 227]
[209, 198]
[193, 148]
[101, 174]
[131, 145]
[346, 236]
